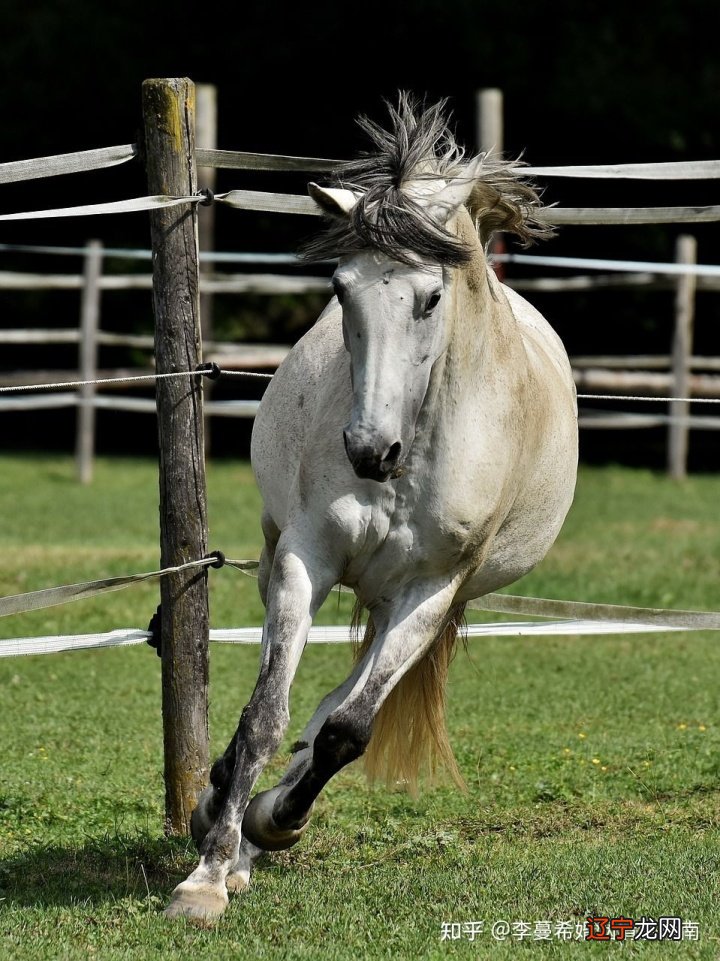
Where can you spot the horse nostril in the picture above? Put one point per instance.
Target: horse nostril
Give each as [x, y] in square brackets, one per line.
[345, 441]
[393, 455]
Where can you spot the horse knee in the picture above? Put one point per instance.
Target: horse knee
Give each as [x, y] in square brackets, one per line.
[261, 730]
[258, 735]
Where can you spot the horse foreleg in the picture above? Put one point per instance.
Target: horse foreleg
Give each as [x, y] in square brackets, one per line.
[211, 800]
[341, 727]
[298, 585]
[203, 817]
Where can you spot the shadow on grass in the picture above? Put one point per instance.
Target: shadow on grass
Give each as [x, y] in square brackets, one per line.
[100, 870]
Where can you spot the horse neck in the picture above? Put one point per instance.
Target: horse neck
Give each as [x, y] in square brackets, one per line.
[483, 335]
[485, 360]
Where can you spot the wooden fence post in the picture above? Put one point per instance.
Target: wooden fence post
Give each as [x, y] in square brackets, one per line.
[206, 136]
[678, 433]
[489, 134]
[89, 322]
[489, 120]
[169, 118]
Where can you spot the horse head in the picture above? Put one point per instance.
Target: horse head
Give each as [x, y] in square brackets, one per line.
[395, 327]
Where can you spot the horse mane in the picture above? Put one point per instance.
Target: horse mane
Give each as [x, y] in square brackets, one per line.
[419, 146]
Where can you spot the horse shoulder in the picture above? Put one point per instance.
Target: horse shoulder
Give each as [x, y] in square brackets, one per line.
[296, 398]
[534, 455]
[536, 331]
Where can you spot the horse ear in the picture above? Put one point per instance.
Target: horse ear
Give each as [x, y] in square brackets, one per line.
[443, 204]
[333, 201]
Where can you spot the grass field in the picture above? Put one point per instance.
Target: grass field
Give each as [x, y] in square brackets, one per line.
[592, 763]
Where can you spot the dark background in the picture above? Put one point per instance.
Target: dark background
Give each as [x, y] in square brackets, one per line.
[583, 83]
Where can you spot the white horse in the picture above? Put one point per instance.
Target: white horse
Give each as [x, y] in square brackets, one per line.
[419, 445]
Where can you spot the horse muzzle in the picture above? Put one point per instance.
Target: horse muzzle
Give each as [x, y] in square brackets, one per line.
[378, 462]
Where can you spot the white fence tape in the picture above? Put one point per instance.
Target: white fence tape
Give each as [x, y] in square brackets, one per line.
[228, 411]
[299, 204]
[84, 160]
[123, 637]
[18, 646]
[587, 610]
[241, 160]
[249, 408]
[52, 596]
[67, 163]
[623, 266]
[623, 216]
[258, 200]
[579, 617]
[241, 199]
[673, 170]
[113, 207]
[342, 634]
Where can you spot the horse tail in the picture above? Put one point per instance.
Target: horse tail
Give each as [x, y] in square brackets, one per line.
[409, 735]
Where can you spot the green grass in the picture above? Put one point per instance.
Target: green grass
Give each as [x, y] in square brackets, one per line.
[592, 763]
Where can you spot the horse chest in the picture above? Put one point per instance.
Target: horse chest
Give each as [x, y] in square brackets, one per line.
[403, 533]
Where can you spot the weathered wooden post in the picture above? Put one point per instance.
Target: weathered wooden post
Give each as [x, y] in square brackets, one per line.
[169, 118]
[678, 432]
[89, 319]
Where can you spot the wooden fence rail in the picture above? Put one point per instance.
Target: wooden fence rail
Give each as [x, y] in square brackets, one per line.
[86, 160]
[215, 283]
[225, 283]
[646, 374]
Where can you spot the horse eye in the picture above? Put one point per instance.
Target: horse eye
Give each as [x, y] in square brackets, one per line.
[433, 301]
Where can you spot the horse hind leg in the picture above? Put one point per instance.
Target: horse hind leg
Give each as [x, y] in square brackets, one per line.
[409, 732]
[342, 727]
[258, 822]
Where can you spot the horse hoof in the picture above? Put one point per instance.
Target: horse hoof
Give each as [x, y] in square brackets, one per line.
[259, 826]
[202, 902]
